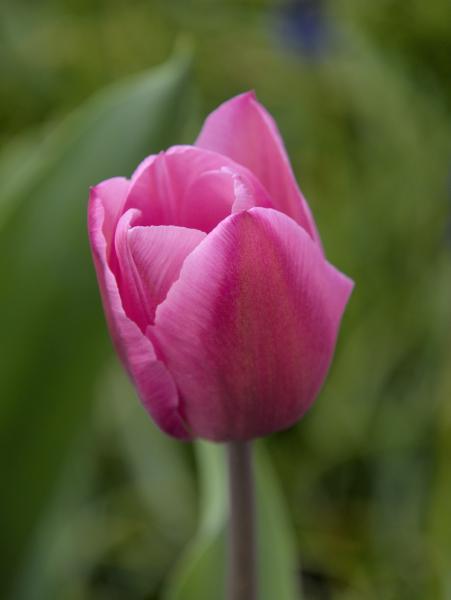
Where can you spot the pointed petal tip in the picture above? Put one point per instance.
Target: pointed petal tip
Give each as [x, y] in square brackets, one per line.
[243, 100]
[250, 95]
[93, 196]
[242, 129]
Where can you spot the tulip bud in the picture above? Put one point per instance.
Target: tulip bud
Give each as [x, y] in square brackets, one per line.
[219, 299]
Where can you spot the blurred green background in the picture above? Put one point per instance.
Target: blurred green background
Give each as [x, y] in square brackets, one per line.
[95, 503]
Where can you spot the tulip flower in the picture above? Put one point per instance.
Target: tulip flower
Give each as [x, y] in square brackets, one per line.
[218, 295]
[220, 301]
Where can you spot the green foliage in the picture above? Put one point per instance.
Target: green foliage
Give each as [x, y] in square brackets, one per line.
[53, 333]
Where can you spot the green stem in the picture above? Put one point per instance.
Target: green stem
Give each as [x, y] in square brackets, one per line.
[242, 580]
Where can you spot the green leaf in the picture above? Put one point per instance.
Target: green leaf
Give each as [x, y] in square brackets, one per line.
[201, 573]
[156, 497]
[54, 337]
[158, 464]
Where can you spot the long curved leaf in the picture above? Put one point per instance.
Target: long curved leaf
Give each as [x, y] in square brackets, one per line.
[53, 333]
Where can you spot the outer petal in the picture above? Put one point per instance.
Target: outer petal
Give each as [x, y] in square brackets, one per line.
[243, 130]
[249, 328]
[153, 381]
[113, 193]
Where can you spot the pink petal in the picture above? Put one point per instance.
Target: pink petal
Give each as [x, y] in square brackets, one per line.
[159, 186]
[243, 130]
[190, 187]
[249, 328]
[154, 383]
[112, 193]
[143, 167]
[223, 191]
[158, 254]
[213, 189]
[130, 287]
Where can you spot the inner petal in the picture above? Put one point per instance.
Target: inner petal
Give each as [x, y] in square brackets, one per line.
[158, 253]
[208, 200]
[124, 268]
[191, 187]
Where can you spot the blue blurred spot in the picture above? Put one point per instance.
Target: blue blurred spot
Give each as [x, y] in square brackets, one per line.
[304, 26]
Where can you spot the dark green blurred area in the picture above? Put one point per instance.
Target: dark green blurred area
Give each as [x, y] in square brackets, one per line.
[95, 502]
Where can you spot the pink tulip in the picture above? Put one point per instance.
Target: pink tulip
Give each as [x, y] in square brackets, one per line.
[217, 292]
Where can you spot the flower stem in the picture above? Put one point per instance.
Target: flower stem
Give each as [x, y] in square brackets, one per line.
[242, 580]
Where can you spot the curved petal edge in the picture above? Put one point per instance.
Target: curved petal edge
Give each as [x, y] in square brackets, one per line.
[154, 383]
